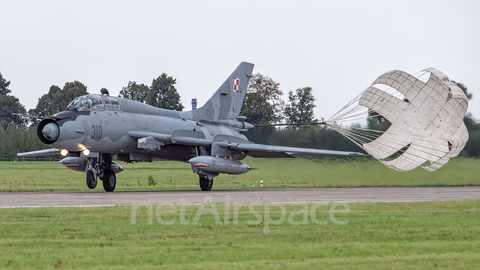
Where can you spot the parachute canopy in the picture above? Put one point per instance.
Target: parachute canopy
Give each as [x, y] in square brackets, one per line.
[411, 120]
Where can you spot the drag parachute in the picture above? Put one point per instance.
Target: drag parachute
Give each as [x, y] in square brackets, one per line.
[411, 120]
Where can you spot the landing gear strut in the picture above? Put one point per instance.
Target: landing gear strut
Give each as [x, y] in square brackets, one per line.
[101, 170]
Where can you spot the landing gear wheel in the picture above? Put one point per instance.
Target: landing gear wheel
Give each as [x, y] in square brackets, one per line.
[109, 181]
[205, 184]
[91, 180]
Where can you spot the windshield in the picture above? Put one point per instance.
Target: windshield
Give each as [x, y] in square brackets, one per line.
[87, 103]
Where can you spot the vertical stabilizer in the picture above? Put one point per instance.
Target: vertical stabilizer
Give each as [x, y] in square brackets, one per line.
[227, 102]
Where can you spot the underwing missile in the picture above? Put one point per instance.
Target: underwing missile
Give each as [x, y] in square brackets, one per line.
[79, 164]
[219, 165]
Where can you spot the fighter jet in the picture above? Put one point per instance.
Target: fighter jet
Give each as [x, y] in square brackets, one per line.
[96, 127]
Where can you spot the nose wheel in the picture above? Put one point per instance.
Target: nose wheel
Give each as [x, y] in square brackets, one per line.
[91, 180]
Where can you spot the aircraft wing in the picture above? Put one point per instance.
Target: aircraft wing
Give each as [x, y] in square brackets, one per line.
[261, 150]
[46, 152]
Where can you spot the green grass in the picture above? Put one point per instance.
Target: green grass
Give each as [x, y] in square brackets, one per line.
[276, 173]
[420, 235]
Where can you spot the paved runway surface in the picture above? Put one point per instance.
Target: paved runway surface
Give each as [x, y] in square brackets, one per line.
[97, 198]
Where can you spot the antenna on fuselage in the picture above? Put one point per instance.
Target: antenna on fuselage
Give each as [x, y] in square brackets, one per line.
[194, 104]
[104, 92]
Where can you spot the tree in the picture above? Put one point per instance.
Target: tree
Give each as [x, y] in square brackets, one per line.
[8, 106]
[375, 122]
[52, 91]
[4, 86]
[300, 109]
[472, 147]
[163, 93]
[133, 89]
[62, 98]
[263, 103]
[465, 90]
[44, 101]
[42, 105]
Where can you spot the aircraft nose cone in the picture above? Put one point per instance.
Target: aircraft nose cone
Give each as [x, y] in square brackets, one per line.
[50, 131]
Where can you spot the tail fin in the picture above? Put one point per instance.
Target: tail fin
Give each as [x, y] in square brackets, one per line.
[227, 102]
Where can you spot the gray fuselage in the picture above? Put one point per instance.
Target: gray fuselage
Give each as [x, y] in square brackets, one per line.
[105, 128]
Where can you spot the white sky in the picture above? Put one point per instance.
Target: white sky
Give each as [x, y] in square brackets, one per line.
[336, 47]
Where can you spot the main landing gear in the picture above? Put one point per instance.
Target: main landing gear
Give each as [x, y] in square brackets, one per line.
[101, 170]
[109, 181]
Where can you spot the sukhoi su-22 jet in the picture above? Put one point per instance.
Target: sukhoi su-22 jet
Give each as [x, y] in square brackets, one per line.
[95, 127]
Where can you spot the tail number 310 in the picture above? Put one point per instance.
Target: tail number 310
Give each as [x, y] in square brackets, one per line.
[97, 132]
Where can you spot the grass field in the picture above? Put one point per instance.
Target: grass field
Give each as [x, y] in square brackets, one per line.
[276, 173]
[421, 235]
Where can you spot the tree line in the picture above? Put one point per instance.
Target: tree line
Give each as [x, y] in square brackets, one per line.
[263, 105]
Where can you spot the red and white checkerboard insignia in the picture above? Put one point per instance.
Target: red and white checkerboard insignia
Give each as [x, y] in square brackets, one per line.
[236, 85]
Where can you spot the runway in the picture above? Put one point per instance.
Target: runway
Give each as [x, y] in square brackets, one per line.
[97, 198]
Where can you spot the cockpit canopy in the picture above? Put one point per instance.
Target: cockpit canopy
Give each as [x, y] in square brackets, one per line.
[94, 103]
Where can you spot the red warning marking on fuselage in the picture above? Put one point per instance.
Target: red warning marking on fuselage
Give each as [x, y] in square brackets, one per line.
[201, 165]
[72, 166]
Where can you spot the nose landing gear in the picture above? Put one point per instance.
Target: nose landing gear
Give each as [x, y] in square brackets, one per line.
[101, 170]
[91, 180]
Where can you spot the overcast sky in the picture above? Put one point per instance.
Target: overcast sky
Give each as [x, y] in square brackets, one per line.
[336, 47]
